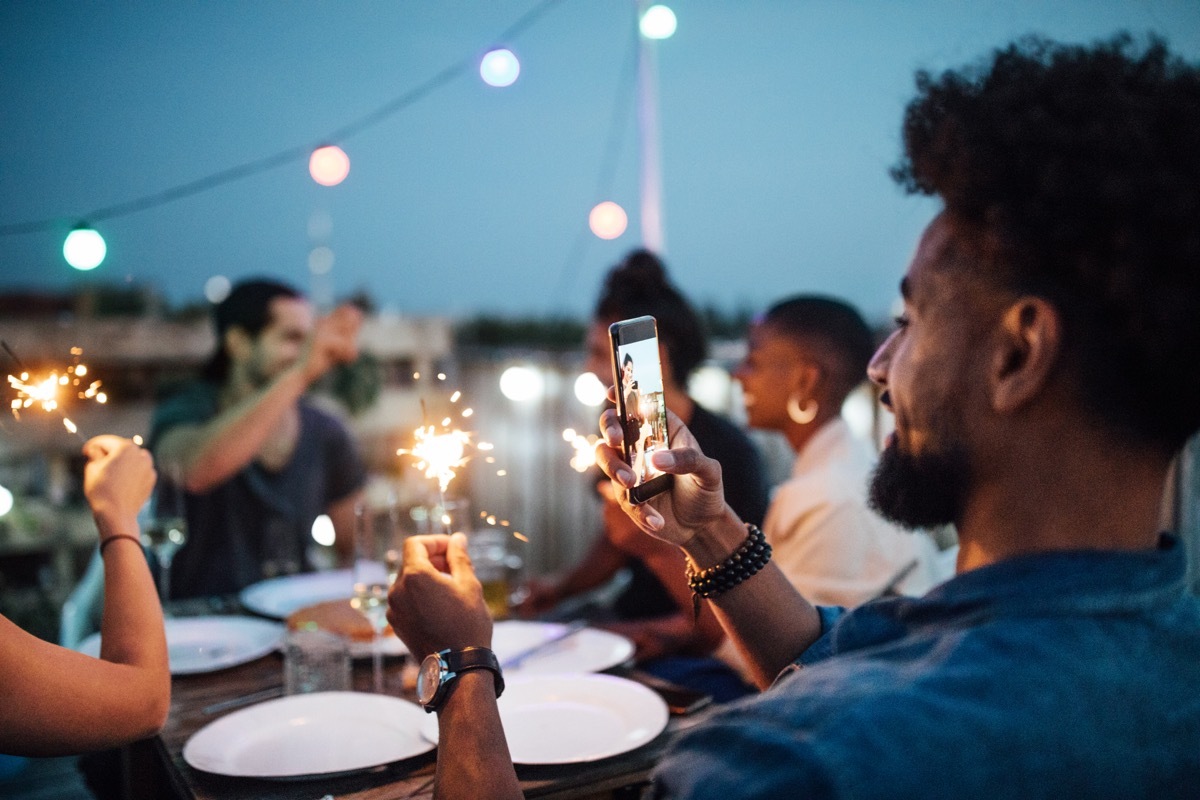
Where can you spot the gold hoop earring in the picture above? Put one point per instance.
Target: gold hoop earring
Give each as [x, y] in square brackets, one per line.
[798, 415]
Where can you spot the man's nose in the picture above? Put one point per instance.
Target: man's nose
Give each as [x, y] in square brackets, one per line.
[878, 367]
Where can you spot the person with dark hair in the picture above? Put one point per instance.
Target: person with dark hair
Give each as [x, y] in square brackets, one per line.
[257, 462]
[655, 610]
[1041, 381]
[806, 354]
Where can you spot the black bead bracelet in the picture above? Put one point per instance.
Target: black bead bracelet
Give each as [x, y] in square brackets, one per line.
[747, 560]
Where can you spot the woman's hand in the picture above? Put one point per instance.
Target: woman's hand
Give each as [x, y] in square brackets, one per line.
[695, 500]
[436, 601]
[118, 479]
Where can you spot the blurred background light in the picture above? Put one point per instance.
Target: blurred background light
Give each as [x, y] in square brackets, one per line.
[322, 531]
[6, 501]
[658, 23]
[217, 289]
[859, 411]
[84, 248]
[711, 386]
[320, 225]
[590, 390]
[520, 384]
[499, 67]
[320, 260]
[608, 220]
[329, 165]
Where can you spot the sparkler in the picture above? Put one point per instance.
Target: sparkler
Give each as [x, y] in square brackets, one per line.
[440, 450]
[52, 391]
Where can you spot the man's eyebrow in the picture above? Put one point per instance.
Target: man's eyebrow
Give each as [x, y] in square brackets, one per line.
[905, 288]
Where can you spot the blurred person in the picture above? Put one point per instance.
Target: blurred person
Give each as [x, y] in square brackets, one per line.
[806, 354]
[258, 462]
[57, 701]
[1040, 382]
[656, 610]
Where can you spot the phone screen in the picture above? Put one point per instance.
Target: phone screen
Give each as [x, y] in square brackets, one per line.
[637, 374]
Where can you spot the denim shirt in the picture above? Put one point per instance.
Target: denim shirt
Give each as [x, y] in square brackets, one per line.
[1057, 675]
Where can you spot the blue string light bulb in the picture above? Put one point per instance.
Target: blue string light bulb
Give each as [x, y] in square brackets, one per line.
[84, 248]
[499, 67]
[658, 22]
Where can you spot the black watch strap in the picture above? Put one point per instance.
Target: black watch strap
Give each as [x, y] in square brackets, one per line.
[459, 661]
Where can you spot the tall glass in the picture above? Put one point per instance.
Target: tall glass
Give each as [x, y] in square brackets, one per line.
[165, 530]
[376, 563]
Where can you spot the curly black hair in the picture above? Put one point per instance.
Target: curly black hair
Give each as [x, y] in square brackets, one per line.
[1080, 169]
[639, 286]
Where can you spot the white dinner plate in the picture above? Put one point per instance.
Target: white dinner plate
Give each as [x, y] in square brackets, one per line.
[278, 597]
[567, 719]
[587, 650]
[309, 735]
[206, 644]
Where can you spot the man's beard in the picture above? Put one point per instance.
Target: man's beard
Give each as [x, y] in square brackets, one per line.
[920, 491]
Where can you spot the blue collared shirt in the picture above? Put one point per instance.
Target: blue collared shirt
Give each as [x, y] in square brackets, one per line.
[1057, 675]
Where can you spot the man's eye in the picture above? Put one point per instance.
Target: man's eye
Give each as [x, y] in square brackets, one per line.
[901, 321]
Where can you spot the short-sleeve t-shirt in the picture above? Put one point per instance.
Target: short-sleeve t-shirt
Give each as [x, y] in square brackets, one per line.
[257, 524]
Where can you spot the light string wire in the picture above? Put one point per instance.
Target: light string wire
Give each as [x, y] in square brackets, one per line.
[292, 154]
[622, 108]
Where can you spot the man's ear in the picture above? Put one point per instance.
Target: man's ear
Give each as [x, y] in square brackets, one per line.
[1028, 344]
[238, 343]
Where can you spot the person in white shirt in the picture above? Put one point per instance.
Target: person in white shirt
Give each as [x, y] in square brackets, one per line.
[806, 354]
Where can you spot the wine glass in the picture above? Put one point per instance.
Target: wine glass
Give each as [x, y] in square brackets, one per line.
[165, 530]
[376, 562]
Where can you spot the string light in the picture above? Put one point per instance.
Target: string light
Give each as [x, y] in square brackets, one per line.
[329, 165]
[291, 154]
[499, 68]
[608, 220]
[84, 248]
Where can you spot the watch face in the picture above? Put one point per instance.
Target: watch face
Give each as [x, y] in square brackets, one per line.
[429, 679]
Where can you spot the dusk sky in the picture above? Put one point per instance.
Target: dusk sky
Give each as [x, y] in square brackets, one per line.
[779, 120]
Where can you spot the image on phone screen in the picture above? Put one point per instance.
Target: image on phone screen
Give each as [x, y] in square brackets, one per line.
[641, 406]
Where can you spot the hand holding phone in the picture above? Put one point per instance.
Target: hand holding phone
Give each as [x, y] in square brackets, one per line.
[641, 405]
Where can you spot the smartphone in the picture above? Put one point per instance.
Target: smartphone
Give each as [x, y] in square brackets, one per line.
[637, 374]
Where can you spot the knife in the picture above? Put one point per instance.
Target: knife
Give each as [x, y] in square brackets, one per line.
[518, 658]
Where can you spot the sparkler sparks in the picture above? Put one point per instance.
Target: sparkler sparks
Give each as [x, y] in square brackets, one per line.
[439, 454]
[584, 456]
[54, 390]
[440, 450]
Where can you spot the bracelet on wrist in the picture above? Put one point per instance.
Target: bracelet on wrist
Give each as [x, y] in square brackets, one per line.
[746, 561]
[110, 539]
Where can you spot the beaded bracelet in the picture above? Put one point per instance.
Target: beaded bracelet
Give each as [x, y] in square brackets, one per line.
[110, 539]
[747, 560]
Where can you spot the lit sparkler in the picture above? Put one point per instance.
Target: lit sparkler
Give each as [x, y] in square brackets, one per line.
[52, 391]
[584, 455]
[439, 451]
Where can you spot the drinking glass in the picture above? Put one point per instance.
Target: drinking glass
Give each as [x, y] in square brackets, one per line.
[315, 661]
[376, 563]
[165, 530]
[497, 567]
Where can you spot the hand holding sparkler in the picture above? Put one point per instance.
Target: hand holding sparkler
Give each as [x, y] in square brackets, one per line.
[117, 481]
[334, 341]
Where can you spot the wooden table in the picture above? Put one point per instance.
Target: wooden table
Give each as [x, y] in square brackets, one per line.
[159, 770]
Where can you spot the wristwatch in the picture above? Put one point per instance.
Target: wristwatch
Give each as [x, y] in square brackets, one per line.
[439, 670]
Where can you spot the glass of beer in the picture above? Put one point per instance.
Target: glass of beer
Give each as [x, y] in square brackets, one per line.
[496, 566]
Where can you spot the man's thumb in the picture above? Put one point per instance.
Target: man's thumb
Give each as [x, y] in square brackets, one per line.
[457, 558]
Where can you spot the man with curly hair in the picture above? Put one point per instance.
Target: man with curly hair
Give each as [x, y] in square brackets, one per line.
[1041, 382]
